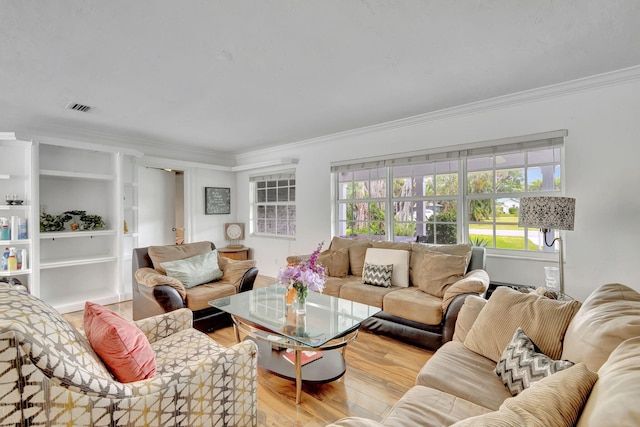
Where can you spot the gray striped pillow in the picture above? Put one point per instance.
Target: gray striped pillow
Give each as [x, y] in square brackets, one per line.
[377, 275]
[522, 364]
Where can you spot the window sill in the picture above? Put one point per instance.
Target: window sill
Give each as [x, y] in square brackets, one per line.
[272, 236]
[524, 256]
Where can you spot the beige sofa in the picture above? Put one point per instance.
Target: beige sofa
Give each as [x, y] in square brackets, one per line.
[422, 313]
[458, 386]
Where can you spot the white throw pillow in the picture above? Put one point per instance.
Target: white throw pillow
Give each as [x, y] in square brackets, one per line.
[398, 257]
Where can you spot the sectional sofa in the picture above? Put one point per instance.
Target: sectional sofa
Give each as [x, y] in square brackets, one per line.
[427, 289]
[598, 386]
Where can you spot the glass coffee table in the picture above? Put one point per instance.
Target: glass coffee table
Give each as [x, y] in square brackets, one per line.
[286, 337]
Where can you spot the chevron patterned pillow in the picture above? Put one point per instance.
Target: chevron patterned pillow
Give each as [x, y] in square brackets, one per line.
[377, 275]
[522, 364]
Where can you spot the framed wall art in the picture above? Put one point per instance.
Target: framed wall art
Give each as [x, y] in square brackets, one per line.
[217, 200]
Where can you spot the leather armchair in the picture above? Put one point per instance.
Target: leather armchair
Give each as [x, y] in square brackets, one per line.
[164, 297]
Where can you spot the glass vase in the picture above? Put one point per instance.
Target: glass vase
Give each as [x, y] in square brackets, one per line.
[300, 302]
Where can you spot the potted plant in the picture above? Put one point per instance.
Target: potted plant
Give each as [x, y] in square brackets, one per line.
[73, 217]
[51, 222]
[92, 222]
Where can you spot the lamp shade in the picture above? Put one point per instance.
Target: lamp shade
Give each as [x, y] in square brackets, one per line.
[547, 212]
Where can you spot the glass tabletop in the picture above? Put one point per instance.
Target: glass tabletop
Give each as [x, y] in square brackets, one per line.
[326, 318]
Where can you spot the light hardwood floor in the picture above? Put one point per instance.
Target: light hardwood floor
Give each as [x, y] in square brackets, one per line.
[379, 371]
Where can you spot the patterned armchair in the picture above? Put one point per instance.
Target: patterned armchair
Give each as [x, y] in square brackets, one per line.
[50, 375]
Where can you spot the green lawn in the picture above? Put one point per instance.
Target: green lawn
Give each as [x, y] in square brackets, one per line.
[504, 242]
[506, 223]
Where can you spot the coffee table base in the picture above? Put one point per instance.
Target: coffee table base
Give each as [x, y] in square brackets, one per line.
[328, 368]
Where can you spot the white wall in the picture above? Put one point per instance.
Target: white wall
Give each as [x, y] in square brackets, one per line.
[210, 227]
[602, 172]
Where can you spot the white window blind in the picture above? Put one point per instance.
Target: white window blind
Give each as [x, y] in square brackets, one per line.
[496, 146]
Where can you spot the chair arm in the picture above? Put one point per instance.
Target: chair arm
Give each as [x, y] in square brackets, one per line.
[474, 282]
[150, 278]
[164, 325]
[248, 279]
[165, 296]
[237, 364]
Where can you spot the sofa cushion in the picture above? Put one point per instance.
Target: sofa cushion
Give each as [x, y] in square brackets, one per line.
[383, 244]
[474, 282]
[333, 284]
[615, 395]
[357, 251]
[160, 254]
[120, 344]
[553, 401]
[462, 249]
[456, 370]
[233, 270]
[608, 316]
[521, 364]
[424, 406]
[467, 316]
[399, 258]
[335, 262]
[434, 272]
[366, 294]
[198, 297]
[53, 345]
[543, 320]
[419, 248]
[357, 254]
[149, 277]
[377, 275]
[413, 304]
[195, 270]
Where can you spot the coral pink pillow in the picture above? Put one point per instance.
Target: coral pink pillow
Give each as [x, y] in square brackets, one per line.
[120, 344]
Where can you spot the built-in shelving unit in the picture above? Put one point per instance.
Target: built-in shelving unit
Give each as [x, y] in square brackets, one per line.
[53, 176]
[16, 183]
[81, 263]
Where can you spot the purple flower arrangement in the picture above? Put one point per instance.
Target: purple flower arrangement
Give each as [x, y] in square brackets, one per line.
[305, 276]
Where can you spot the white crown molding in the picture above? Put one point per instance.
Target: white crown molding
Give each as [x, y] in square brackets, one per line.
[163, 163]
[116, 140]
[265, 164]
[578, 85]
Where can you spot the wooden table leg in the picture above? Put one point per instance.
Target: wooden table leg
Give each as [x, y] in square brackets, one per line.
[237, 332]
[298, 375]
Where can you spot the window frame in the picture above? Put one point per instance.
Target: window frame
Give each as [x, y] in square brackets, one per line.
[290, 219]
[554, 140]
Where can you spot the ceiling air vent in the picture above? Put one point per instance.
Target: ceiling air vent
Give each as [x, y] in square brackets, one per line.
[78, 107]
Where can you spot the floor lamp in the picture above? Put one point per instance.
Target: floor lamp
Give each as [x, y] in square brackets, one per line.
[546, 213]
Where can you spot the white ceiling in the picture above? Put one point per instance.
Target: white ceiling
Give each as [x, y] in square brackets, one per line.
[230, 76]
